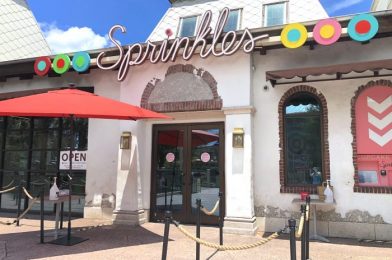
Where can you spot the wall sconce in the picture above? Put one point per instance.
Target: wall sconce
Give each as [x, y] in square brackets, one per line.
[125, 140]
[238, 138]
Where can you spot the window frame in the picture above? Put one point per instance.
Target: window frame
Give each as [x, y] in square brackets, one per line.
[312, 188]
[239, 19]
[181, 24]
[318, 115]
[285, 12]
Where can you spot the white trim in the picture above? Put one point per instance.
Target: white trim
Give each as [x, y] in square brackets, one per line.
[239, 110]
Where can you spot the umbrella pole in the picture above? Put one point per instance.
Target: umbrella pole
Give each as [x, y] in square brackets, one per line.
[72, 130]
[68, 240]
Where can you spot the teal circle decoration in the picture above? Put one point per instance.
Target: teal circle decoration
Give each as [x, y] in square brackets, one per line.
[294, 35]
[81, 61]
[42, 66]
[355, 24]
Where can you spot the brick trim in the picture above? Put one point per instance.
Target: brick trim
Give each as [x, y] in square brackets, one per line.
[357, 187]
[182, 106]
[312, 189]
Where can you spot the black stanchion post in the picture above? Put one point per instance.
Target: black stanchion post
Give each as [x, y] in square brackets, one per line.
[19, 202]
[198, 215]
[221, 217]
[307, 226]
[61, 215]
[42, 215]
[303, 235]
[293, 251]
[168, 216]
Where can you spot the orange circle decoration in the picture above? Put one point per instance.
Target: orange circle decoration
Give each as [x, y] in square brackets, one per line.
[42, 66]
[294, 35]
[327, 32]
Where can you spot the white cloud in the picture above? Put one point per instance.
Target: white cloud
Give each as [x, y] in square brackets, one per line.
[340, 5]
[73, 39]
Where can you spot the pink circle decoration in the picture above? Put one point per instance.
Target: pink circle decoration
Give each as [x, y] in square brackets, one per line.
[168, 32]
[327, 32]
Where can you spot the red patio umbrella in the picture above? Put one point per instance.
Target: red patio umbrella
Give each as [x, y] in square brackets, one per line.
[73, 103]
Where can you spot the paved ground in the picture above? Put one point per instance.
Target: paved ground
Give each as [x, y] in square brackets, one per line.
[123, 242]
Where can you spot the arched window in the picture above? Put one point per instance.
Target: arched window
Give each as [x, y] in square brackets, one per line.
[303, 140]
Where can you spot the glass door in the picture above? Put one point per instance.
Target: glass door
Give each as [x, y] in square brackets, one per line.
[187, 165]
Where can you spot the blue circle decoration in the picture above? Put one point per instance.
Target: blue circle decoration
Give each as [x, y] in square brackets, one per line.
[41, 65]
[355, 27]
[81, 61]
[294, 35]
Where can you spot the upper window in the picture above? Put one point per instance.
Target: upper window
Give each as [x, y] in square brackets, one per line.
[275, 14]
[188, 26]
[303, 140]
[233, 21]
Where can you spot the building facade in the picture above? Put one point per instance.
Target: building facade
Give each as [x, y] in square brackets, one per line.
[260, 127]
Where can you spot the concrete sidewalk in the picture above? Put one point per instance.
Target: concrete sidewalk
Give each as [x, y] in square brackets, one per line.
[123, 242]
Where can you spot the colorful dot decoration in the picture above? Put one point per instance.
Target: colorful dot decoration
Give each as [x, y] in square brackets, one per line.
[81, 61]
[42, 66]
[61, 63]
[294, 35]
[327, 32]
[362, 27]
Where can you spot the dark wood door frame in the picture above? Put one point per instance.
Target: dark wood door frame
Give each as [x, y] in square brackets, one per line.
[185, 215]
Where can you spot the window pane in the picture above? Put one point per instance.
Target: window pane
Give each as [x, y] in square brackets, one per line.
[303, 103]
[303, 150]
[44, 123]
[18, 123]
[42, 160]
[274, 14]
[232, 21]
[188, 26]
[45, 139]
[15, 160]
[17, 140]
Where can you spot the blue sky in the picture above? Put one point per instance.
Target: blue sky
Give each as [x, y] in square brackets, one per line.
[83, 24]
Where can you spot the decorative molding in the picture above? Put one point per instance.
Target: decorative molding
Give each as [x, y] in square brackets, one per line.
[239, 110]
[181, 105]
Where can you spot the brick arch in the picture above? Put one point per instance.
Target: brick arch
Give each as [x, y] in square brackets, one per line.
[357, 188]
[325, 148]
[208, 85]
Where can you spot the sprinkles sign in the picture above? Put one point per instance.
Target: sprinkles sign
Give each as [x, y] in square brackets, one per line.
[208, 41]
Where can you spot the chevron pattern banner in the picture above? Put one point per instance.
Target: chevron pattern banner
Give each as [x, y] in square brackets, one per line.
[382, 121]
[374, 121]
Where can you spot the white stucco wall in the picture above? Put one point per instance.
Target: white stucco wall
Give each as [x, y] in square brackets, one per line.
[338, 94]
[234, 87]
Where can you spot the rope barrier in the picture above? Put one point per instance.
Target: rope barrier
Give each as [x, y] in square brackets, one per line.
[7, 190]
[298, 234]
[227, 247]
[8, 185]
[31, 203]
[27, 193]
[210, 213]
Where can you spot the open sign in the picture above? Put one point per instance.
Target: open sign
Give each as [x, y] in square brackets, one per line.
[79, 160]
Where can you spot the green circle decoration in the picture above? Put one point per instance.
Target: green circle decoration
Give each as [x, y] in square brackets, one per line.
[61, 63]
